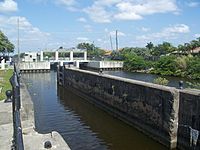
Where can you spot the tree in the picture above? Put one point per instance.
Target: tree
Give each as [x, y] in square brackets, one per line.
[149, 45]
[163, 49]
[166, 66]
[92, 50]
[134, 62]
[5, 45]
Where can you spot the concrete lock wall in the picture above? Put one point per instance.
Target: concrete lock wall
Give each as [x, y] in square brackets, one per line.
[153, 109]
[189, 119]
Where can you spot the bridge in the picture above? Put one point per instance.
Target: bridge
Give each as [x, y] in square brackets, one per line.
[33, 61]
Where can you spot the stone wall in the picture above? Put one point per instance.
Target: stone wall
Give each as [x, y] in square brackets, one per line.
[153, 109]
[189, 118]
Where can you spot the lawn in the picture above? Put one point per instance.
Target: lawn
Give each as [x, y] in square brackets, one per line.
[4, 82]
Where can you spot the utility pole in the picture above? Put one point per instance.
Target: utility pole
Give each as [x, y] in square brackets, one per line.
[18, 40]
[116, 41]
[111, 44]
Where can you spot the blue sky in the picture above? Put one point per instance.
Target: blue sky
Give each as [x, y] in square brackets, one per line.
[49, 24]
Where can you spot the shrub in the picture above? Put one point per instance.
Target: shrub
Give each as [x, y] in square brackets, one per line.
[161, 81]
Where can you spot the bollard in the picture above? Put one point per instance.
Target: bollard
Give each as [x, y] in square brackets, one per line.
[181, 84]
[8, 95]
[100, 71]
[47, 145]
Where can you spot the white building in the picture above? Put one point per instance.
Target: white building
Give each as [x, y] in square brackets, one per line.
[30, 57]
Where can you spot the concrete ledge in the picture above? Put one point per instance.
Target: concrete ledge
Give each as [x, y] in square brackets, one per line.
[35, 141]
[32, 139]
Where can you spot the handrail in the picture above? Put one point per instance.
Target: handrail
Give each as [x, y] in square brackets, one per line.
[16, 106]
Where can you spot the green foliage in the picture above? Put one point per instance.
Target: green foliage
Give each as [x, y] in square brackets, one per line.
[184, 66]
[161, 81]
[49, 54]
[162, 49]
[4, 82]
[92, 50]
[165, 66]
[134, 62]
[181, 64]
[5, 45]
[162, 61]
[135, 50]
[195, 85]
[150, 45]
[193, 69]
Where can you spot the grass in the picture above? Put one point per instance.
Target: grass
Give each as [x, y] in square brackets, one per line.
[4, 82]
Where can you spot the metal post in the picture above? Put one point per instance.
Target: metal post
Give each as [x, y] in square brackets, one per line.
[116, 40]
[18, 40]
[181, 84]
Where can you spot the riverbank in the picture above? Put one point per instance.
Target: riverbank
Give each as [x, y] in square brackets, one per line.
[31, 138]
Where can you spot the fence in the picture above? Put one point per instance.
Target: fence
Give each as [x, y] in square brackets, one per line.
[16, 105]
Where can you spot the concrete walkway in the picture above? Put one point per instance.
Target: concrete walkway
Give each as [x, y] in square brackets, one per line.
[32, 139]
[6, 126]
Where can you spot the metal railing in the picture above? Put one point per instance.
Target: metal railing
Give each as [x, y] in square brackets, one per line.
[16, 105]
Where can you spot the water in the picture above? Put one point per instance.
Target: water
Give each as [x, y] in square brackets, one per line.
[82, 125]
[173, 81]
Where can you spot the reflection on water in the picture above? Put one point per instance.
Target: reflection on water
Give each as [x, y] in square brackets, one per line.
[82, 125]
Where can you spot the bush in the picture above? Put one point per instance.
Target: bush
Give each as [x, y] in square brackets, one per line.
[193, 69]
[161, 81]
[134, 62]
[165, 66]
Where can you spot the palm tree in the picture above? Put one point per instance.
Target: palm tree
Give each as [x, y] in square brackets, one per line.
[193, 44]
[187, 47]
[149, 45]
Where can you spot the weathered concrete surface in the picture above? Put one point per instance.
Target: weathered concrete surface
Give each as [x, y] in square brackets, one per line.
[6, 126]
[153, 109]
[32, 139]
[189, 118]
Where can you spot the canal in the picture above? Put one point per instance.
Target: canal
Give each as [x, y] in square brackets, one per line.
[82, 125]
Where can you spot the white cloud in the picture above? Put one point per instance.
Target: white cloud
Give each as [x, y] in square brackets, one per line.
[197, 35]
[8, 6]
[88, 27]
[171, 32]
[144, 29]
[29, 34]
[98, 14]
[178, 28]
[66, 2]
[81, 19]
[113, 33]
[99, 40]
[133, 11]
[104, 11]
[193, 4]
[82, 39]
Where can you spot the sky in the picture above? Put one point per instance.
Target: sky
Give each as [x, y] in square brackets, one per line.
[49, 24]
